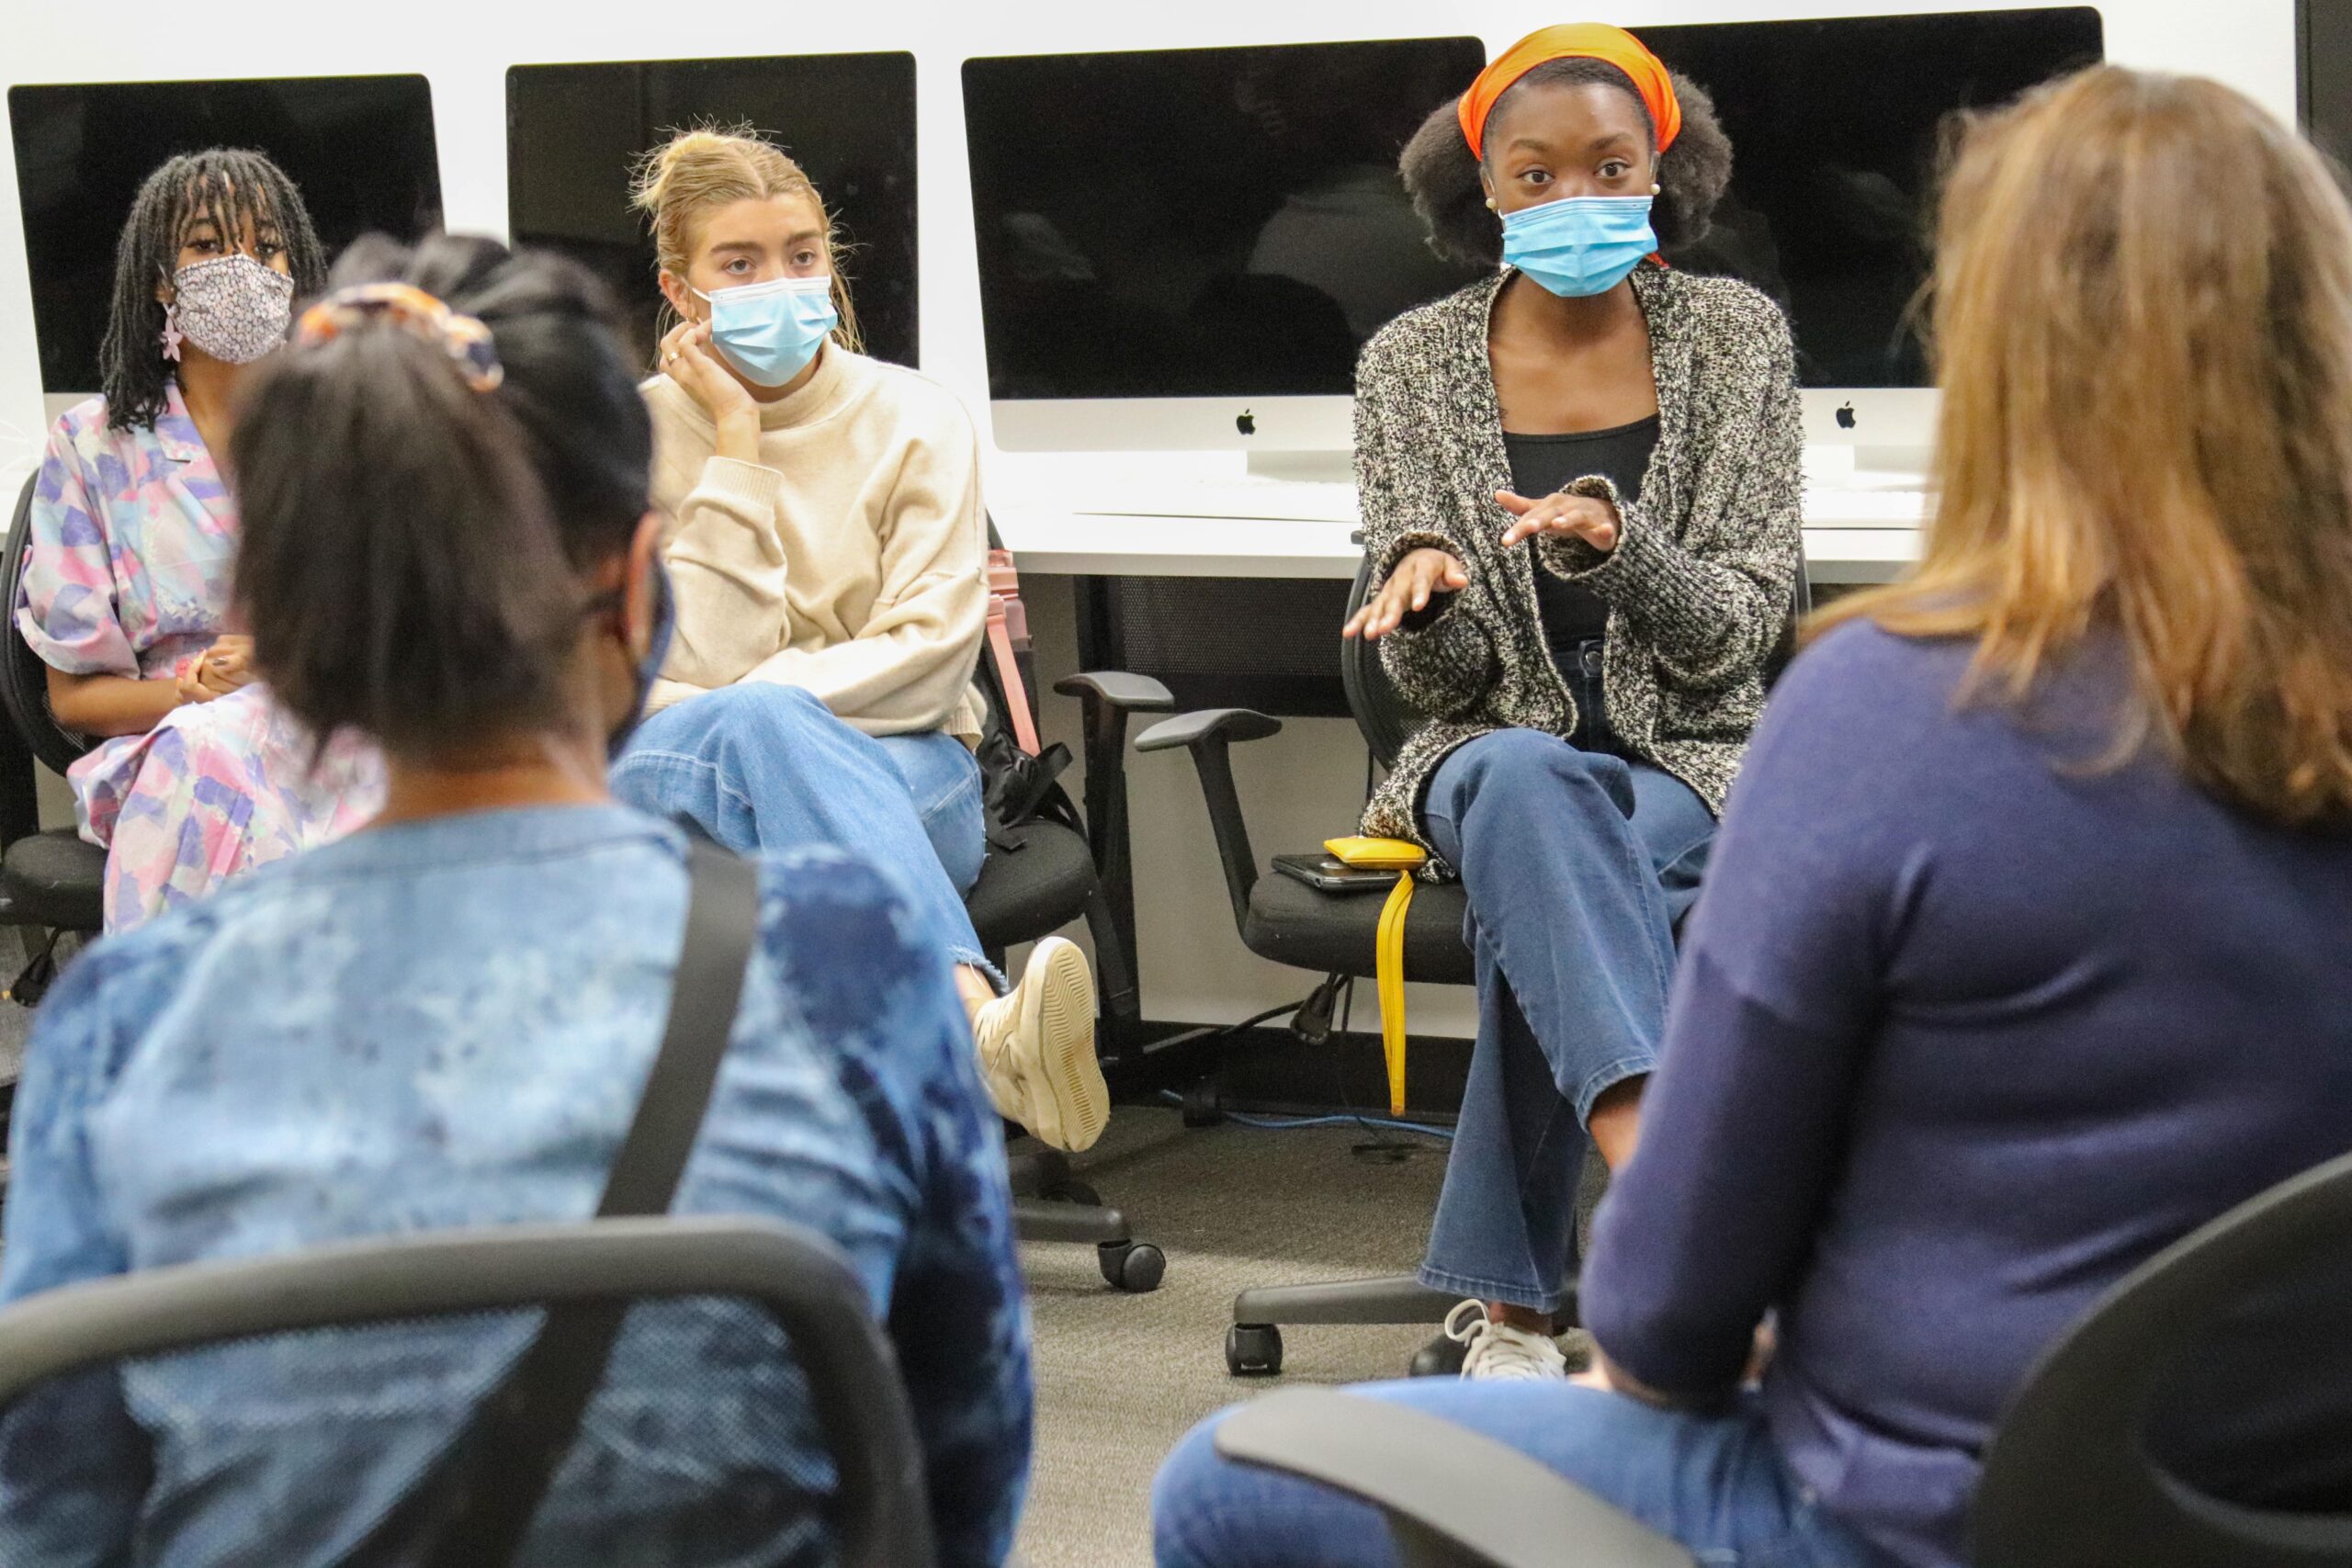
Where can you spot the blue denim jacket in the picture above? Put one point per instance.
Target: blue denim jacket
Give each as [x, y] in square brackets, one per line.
[449, 1023]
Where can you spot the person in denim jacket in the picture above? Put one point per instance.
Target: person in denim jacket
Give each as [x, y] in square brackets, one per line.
[446, 1019]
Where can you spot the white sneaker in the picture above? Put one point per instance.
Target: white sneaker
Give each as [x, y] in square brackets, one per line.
[1498, 1351]
[1036, 1049]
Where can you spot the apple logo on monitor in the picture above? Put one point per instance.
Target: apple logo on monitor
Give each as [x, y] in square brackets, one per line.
[1246, 422]
[1846, 417]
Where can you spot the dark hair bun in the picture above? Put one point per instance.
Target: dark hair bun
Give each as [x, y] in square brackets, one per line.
[412, 547]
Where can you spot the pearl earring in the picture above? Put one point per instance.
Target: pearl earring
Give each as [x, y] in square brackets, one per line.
[1490, 204]
[1656, 188]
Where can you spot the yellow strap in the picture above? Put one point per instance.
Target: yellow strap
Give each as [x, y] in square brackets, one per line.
[1389, 965]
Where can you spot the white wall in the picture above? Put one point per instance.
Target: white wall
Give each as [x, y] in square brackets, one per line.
[1304, 784]
[464, 47]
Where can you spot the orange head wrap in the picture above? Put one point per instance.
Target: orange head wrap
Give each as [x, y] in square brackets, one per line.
[1573, 40]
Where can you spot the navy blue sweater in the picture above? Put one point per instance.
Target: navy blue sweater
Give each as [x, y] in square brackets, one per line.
[1965, 1030]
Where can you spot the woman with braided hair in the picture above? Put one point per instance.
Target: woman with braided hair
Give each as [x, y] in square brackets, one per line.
[196, 773]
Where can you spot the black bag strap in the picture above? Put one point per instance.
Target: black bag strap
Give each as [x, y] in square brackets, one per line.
[722, 922]
[509, 1458]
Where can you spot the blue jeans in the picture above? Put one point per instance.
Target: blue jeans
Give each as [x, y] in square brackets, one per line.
[1715, 1483]
[761, 767]
[1578, 866]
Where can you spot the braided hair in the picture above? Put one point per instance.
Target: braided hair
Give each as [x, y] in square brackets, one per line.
[231, 185]
[1441, 172]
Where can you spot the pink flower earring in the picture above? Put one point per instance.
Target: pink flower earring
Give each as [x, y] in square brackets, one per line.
[172, 332]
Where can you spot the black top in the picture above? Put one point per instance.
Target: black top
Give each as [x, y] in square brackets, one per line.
[1572, 614]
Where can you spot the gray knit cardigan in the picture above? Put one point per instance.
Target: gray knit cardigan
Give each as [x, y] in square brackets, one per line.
[1698, 587]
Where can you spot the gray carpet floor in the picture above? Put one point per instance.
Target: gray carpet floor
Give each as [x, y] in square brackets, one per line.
[1120, 1378]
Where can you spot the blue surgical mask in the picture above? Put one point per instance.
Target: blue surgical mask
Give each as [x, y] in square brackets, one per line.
[1579, 245]
[657, 653]
[771, 331]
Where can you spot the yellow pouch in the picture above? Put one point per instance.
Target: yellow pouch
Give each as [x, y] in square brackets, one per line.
[1388, 951]
[1377, 854]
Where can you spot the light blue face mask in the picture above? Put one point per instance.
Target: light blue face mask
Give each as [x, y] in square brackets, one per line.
[771, 331]
[1579, 245]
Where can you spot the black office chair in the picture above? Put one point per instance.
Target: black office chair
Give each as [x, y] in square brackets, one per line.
[51, 880]
[1038, 878]
[2068, 1479]
[880, 1511]
[1282, 919]
[2067, 1482]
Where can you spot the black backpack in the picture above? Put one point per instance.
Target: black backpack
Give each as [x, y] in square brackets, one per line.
[1020, 779]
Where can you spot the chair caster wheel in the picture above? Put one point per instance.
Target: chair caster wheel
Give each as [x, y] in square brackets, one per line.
[1253, 1350]
[1204, 1106]
[1135, 1267]
[1441, 1358]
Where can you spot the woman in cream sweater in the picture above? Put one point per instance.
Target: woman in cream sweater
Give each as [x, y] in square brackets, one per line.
[827, 554]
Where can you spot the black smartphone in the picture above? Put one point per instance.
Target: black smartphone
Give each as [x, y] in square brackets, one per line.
[1333, 874]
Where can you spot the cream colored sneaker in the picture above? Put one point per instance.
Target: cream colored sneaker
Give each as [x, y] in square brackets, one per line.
[1036, 1049]
[1498, 1351]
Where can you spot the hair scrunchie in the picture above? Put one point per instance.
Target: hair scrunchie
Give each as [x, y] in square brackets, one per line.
[466, 342]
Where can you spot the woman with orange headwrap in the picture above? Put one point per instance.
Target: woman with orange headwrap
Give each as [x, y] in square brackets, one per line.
[1950, 1058]
[1580, 484]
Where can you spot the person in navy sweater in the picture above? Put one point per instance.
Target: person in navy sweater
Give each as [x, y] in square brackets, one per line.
[2026, 947]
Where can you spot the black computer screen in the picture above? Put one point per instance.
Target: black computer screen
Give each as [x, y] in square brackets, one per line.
[1836, 129]
[360, 149]
[574, 133]
[1200, 222]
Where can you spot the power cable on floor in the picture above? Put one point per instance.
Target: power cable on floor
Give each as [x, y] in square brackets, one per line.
[1337, 1119]
[1219, 1030]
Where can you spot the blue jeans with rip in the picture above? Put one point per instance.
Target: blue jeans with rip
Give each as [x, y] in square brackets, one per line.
[1714, 1482]
[759, 767]
[1578, 865]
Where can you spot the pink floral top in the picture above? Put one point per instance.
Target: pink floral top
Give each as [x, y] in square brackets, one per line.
[128, 570]
[133, 541]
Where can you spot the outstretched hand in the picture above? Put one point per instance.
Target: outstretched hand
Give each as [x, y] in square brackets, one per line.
[1582, 517]
[1418, 577]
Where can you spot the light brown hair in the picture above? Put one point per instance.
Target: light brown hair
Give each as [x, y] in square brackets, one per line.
[697, 170]
[2142, 329]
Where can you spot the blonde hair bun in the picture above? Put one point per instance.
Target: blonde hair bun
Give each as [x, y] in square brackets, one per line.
[705, 167]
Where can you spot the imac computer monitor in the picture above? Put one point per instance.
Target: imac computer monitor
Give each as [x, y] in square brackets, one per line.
[1837, 129]
[360, 149]
[574, 132]
[1185, 249]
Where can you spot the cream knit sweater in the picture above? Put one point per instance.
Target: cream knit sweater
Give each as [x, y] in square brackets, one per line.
[850, 560]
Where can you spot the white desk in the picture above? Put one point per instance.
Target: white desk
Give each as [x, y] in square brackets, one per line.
[1132, 513]
[1047, 539]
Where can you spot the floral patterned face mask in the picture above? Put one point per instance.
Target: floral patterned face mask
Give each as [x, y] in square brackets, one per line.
[234, 309]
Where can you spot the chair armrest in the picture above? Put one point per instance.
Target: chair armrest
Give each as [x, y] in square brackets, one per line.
[1450, 1495]
[1207, 733]
[1117, 689]
[1106, 699]
[1221, 725]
